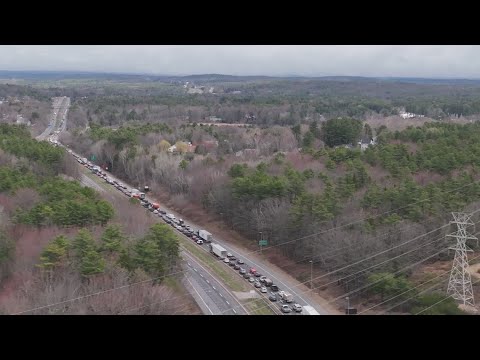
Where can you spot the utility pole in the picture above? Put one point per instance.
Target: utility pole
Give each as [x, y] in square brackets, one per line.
[311, 275]
[460, 282]
[261, 242]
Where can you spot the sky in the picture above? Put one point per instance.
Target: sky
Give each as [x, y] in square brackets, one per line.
[430, 61]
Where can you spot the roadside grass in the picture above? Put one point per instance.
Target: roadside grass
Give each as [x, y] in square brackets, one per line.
[258, 307]
[234, 282]
[99, 181]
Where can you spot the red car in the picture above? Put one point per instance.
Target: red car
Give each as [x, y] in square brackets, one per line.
[253, 270]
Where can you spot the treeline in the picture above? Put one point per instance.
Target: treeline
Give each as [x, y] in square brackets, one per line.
[156, 253]
[16, 140]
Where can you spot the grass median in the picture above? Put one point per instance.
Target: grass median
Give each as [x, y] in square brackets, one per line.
[233, 281]
[258, 307]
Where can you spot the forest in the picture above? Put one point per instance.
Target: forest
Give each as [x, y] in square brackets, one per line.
[290, 166]
[60, 240]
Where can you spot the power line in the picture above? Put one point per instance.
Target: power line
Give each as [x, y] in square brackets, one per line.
[97, 293]
[376, 282]
[438, 302]
[375, 255]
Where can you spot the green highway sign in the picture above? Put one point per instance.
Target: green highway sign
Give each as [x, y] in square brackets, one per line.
[262, 243]
[92, 158]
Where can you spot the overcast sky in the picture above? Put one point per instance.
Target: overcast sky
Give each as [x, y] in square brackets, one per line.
[315, 60]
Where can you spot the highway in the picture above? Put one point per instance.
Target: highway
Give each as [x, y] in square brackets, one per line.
[214, 297]
[59, 113]
[214, 301]
[209, 293]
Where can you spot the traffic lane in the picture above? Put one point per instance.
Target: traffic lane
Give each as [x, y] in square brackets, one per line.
[246, 265]
[282, 283]
[233, 251]
[211, 295]
[230, 303]
[205, 299]
[263, 296]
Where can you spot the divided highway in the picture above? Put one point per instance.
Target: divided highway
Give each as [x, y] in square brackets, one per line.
[208, 291]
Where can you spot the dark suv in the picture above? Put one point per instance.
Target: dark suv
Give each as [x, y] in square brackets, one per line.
[274, 287]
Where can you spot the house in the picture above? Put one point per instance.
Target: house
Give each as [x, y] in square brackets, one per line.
[366, 142]
[22, 120]
[214, 119]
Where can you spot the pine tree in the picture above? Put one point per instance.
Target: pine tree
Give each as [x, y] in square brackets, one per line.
[112, 238]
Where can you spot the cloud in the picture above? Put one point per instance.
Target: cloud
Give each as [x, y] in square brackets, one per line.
[273, 60]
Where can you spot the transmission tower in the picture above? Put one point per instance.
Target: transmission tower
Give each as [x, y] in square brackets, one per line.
[460, 283]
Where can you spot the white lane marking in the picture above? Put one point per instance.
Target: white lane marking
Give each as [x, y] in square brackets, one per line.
[214, 288]
[220, 294]
[208, 282]
[194, 269]
[211, 312]
[189, 264]
[227, 302]
[234, 311]
[201, 275]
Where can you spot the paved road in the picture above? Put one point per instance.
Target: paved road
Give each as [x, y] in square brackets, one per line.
[59, 113]
[277, 276]
[214, 298]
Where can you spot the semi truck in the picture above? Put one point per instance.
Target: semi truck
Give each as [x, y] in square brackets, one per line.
[155, 206]
[205, 235]
[308, 310]
[218, 251]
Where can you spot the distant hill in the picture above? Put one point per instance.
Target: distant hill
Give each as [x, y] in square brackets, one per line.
[212, 78]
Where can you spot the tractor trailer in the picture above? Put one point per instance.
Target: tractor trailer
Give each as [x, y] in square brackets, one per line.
[218, 251]
[205, 235]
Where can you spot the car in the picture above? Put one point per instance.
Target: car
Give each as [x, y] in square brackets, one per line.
[257, 284]
[272, 297]
[240, 262]
[237, 267]
[229, 255]
[286, 309]
[263, 290]
[252, 270]
[231, 263]
[163, 212]
[200, 242]
[262, 278]
[189, 235]
[155, 212]
[251, 279]
[297, 307]
[246, 276]
[257, 274]
[195, 237]
[242, 271]
[233, 258]
[274, 287]
[226, 261]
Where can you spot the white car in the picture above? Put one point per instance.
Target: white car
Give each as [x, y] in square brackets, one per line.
[155, 212]
[226, 261]
[263, 290]
[297, 307]
[229, 255]
[199, 242]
